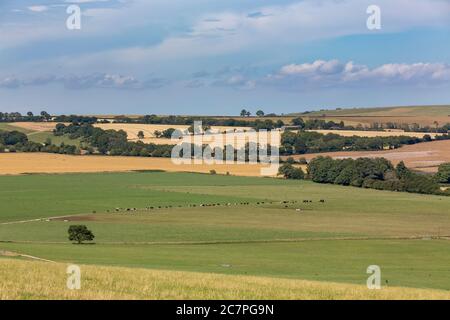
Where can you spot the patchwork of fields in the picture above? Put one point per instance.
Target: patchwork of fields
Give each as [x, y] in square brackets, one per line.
[39, 131]
[425, 157]
[240, 226]
[422, 115]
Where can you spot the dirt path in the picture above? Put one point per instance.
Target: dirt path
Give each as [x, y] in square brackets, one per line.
[42, 219]
[5, 253]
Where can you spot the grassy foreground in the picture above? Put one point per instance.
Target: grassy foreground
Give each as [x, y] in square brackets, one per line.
[48, 281]
[231, 239]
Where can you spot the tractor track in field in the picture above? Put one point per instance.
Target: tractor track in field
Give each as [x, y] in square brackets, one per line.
[218, 242]
[6, 253]
[43, 219]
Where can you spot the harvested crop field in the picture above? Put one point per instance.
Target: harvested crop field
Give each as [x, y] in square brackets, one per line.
[365, 133]
[424, 157]
[404, 111]
[21, 163]
[368, 120]
[34, 126]
[422, 115]
[130, 128]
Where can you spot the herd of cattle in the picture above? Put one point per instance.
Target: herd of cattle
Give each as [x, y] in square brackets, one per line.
[285, 203]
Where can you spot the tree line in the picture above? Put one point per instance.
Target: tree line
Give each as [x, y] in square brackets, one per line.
[256, 124]
[373, 173]
[29, 117]
[302, 142]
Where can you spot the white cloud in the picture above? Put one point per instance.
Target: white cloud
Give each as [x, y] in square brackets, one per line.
[234, 31]
[88, 81]
[85, 1]
[334, 73]
[319, 66]
[317, 74]
[38, 8]
[236, 81]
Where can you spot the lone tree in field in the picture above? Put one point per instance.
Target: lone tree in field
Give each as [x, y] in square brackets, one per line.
[80, 233]
[260, 113]
[140, 134]
[245, 113]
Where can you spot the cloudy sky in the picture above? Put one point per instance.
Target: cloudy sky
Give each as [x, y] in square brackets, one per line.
[219, 56]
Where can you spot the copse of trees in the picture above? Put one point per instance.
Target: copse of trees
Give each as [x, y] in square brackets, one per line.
[245, 113]
[16, 141]
[288, 171]
[9, 138]
[370, 173]
[111, 142]
[443, 175]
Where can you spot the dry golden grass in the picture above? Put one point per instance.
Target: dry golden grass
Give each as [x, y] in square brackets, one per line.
[130, 128]
[133, 129]
[367, 120]
[35, 126]
[421, 120]
[424, 157]
[41, 280]
[350, 133]
[19, 163]
[422, 115]
[149, 130]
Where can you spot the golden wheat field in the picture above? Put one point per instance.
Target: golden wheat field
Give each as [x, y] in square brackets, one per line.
[422, 115]
[48, 281]
[368, 120]
[36, 126]
[21, 163]
[131, 129]
[424, 157]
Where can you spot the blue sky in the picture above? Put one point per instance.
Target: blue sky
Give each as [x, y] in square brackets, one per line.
[219, 56]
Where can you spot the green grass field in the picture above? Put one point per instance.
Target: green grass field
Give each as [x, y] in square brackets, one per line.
[11, 127]
[268, 237]
[42, 137]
